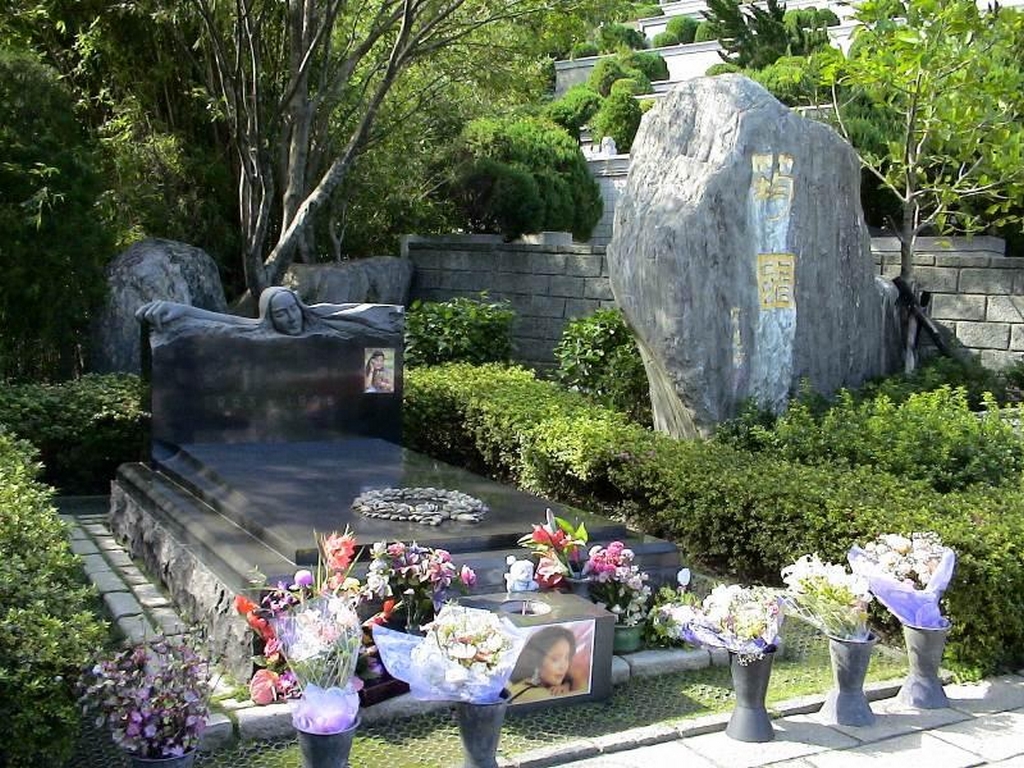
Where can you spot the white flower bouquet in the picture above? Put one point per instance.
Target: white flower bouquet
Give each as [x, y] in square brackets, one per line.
[743, 620]
[828, 597]
[908, 575]
[467, 655]
[321, 639]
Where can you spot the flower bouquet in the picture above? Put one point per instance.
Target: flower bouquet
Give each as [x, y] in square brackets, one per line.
[908, 575]
[420, 577]
[743, 620]
[828, 597]
[560, 547]
[467, 656]
[154, 697]
[275, 679]
[617, 583]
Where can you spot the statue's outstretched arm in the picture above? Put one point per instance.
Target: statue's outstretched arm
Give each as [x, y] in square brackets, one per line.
[162, 313]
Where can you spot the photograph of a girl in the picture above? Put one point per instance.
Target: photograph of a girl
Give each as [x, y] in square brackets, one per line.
[554, 662]
[378, 370]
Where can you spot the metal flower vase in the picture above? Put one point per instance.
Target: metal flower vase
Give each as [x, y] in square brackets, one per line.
[579, 586]
[846, 703]
[923, 688]
[182, 761]
[480, 729]
[750, 720]
[330, 750]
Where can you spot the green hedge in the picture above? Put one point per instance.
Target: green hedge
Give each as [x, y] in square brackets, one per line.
[46, 633]
[83, 429]
[737, 512]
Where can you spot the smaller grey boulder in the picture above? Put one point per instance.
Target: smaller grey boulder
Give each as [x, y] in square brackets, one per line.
[377, 280]
[150, 269]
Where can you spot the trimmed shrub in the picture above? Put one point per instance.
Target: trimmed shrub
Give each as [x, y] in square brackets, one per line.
[723, 68]
[499, 197]
[664, 39]
[790, 79]
[598, 356]
[652, 65]
[47, 635]
[704, 33]
[605, 73]
[460, 329]
[628, 86]
[683, 28]
[83, 429]
[618, 117]
[542, 149]
[584, 50]
[741, 513]
[611, 37]
[646, 11]
[574, 109]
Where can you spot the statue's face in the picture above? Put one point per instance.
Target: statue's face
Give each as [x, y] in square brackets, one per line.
[285, 314]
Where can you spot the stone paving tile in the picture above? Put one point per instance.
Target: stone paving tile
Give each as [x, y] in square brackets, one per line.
[119, 558]
[620, 670]
[150, 596]
[922, 749]
[137, 629]
[660, 661]
[108, 543]
[794, 737]
[134, 576]
[1013, 762]
[75, 533]
[121, 604]
[996, 694]
[219, 733]
[636, 737]
[108, 581]
[997, 736]
[83, 547]
[95, 529]
[673, 753]
[555, 754]
[891, 719]
[168, 621]
[94, 564]
[273, 721]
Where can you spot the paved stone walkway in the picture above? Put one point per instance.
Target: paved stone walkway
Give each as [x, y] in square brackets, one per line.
[984, 724]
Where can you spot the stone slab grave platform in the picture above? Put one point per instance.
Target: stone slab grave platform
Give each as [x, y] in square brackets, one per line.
[264, 434]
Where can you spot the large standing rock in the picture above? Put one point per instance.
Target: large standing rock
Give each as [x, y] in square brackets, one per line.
[149, 270]
[376, 280]
[740, 256]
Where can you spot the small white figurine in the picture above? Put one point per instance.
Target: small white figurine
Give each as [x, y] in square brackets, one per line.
[520, 575]
[683, 578]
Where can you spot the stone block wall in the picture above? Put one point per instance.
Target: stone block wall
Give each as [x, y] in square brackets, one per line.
[977, 292]
[610, 174]
[547, 285]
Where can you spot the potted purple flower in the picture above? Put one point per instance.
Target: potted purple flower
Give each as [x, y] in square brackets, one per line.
[154, 698]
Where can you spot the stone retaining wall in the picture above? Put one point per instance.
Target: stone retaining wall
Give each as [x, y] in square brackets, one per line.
[977, 292]
[545, 284]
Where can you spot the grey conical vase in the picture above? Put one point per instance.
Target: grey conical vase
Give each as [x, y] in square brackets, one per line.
[923, 688]
[846, 703]
[480, 729]
[329, 750]
[750, 720]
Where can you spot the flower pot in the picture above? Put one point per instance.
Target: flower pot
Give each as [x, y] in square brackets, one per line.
[328, 750]
[749, 720]
[184, 761]
[480, 729]
[923, 688]
[627, 639]
[846, 703]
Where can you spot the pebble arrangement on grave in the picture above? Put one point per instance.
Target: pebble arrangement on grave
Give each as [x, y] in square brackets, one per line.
[428, 506]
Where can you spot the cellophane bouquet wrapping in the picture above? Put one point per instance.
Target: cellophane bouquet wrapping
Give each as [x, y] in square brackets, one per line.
[467, 654]
[743, 620]
[828, 597]
[908, 575]
[321, 638]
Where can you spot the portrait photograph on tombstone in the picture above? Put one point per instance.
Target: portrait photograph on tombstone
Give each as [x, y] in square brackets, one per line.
[379, 371]
[556, 662]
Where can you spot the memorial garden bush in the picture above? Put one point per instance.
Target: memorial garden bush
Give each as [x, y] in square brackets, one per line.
[47, 633]
[83, 429]
[742, 513]
[574, 109]
[683, 28]
[598, 356]
[458, 330]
